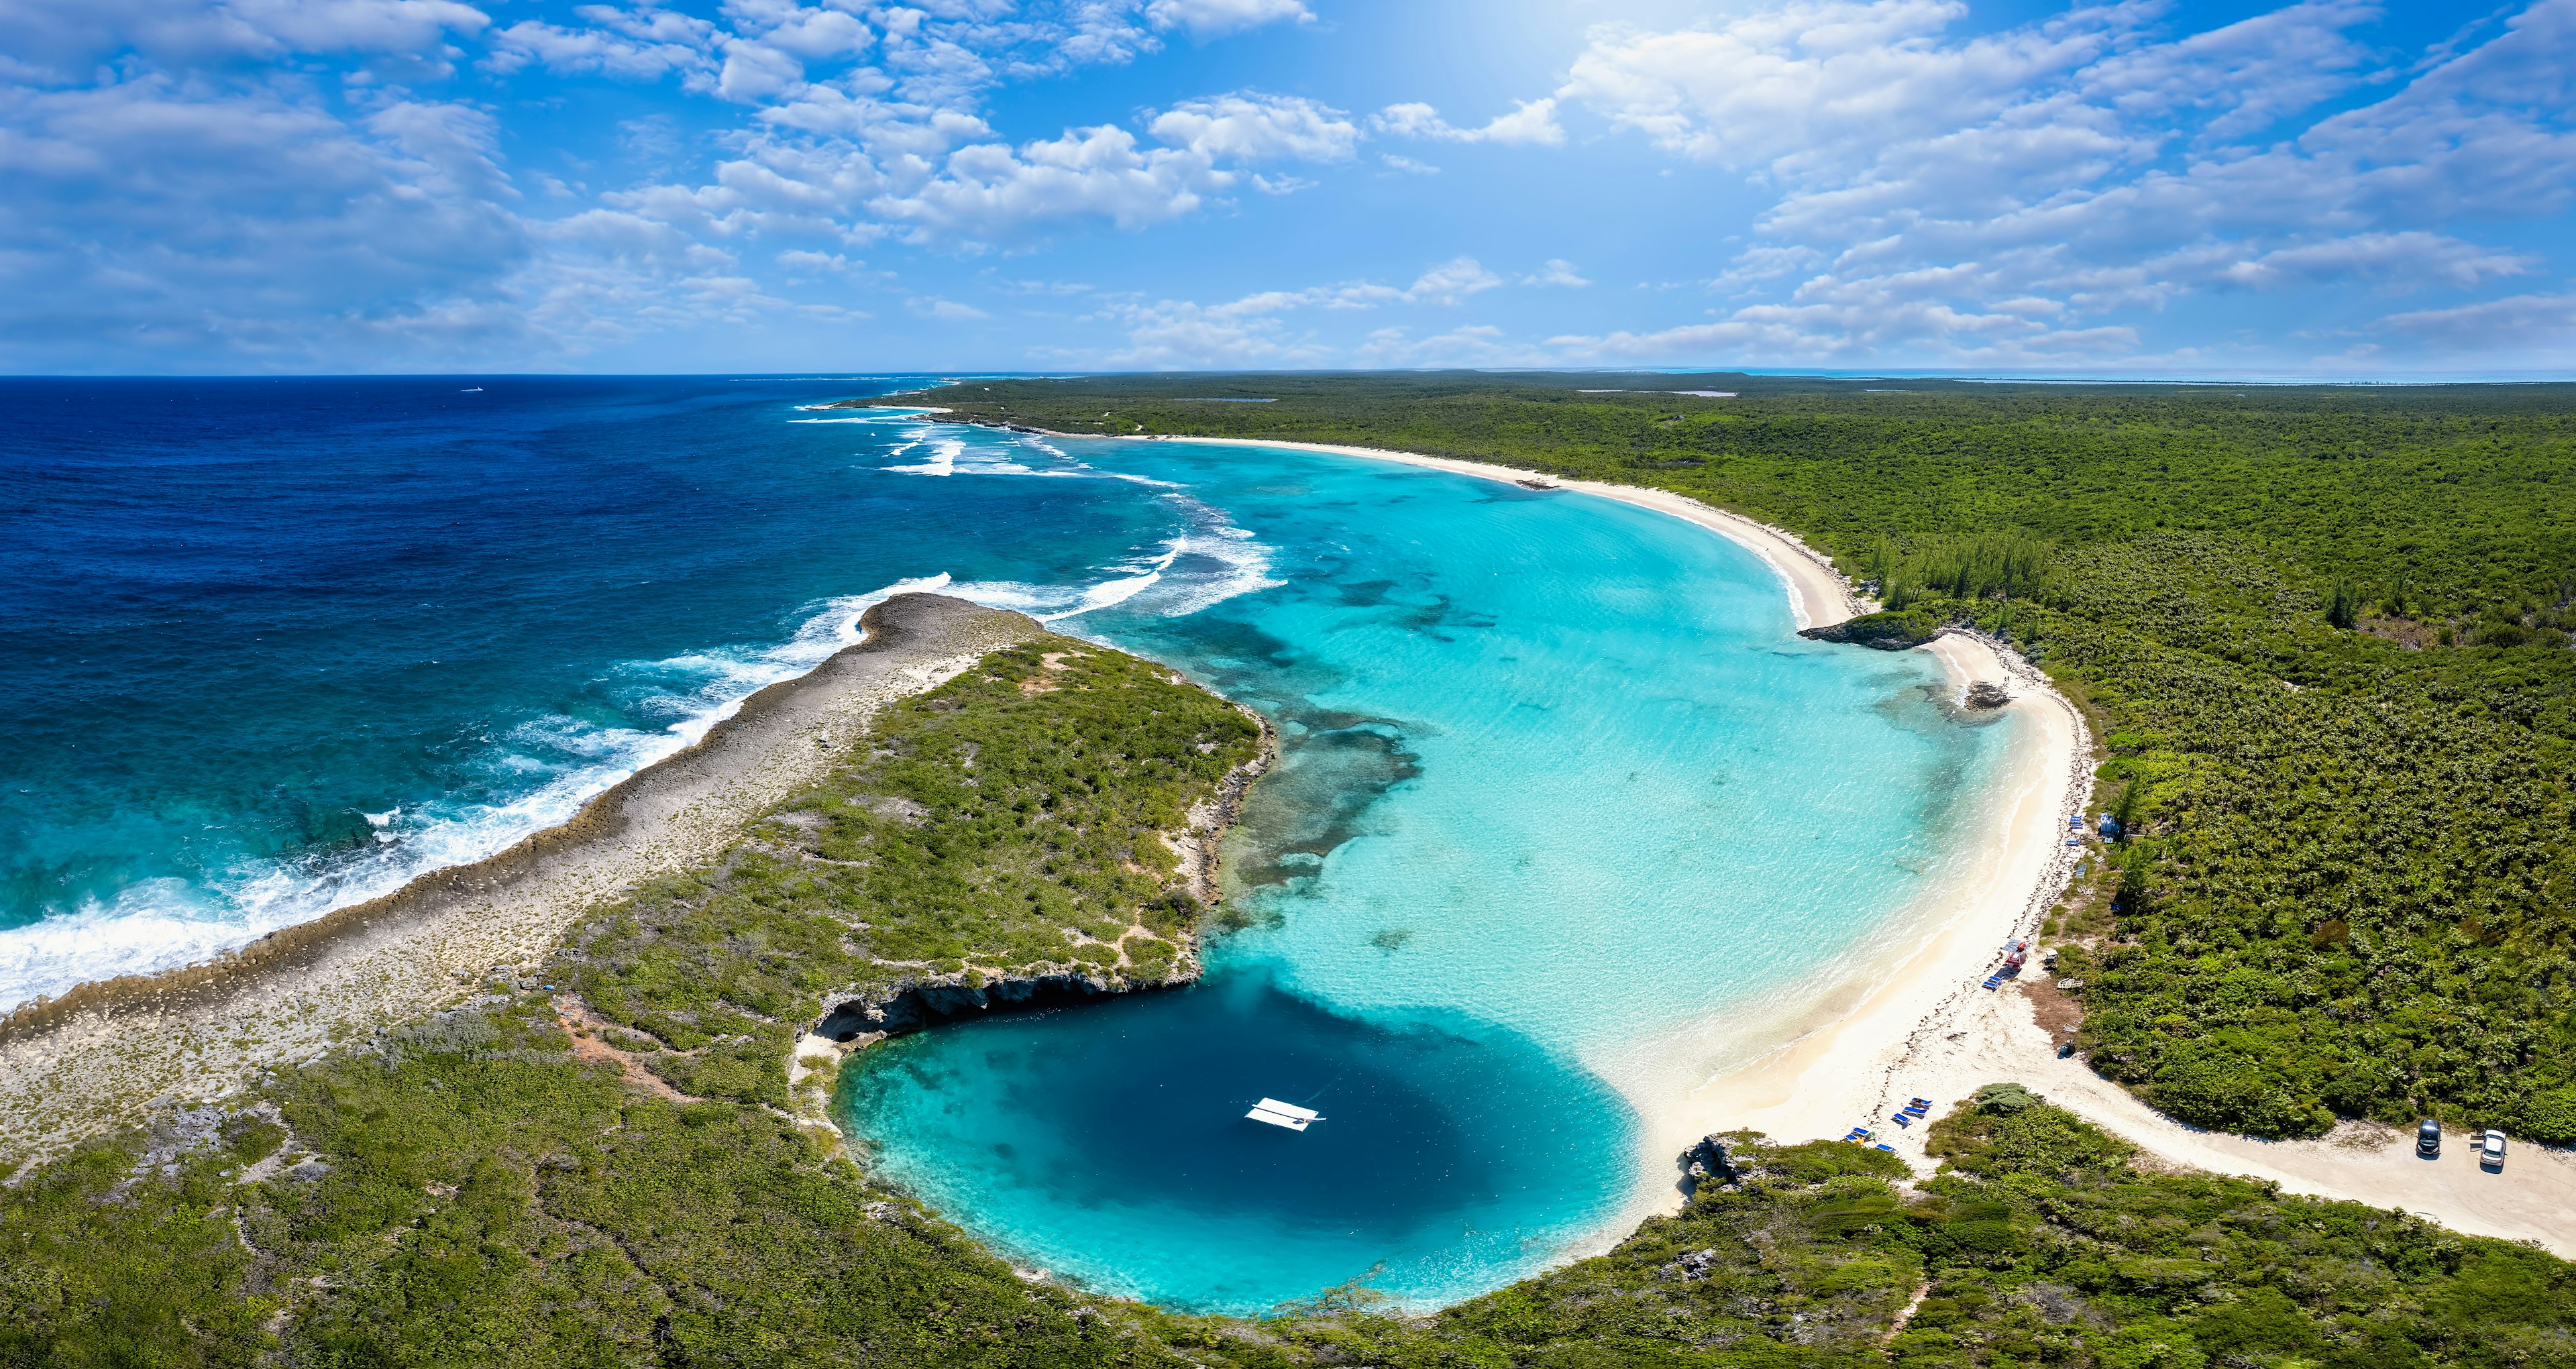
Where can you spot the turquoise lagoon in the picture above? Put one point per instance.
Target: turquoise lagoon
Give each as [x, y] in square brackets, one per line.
[1564, 808]
[1565, 813]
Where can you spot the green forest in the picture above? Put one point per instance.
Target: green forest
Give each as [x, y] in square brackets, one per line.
[2322, 634]
[608, 1160]
[2345, 757]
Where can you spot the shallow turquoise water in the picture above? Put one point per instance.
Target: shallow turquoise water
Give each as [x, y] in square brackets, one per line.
[1562, 798]
[1562, 795]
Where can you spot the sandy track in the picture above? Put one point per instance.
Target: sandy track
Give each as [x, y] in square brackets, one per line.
[91, 1060]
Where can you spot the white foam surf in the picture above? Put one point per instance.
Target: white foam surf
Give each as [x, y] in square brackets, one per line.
[557, 763]
[549, 766]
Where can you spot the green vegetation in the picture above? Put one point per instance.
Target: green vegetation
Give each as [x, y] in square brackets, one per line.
[623, 1174]
[1006, 826]
[2323, 632]
[2038, 1243]
[472, 1192]
[502, 1185]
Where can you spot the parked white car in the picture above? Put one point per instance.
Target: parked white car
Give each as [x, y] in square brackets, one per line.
[2491, 1153]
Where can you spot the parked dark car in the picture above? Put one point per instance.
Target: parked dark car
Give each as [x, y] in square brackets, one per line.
[2428, 1137]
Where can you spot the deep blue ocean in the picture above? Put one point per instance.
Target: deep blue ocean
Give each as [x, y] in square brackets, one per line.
[1563, 802]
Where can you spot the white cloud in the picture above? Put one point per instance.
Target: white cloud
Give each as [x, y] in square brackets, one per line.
[1210, 18]
[2067, 169]
[2501, 325]
[1558, 271]
[1533, 123]
[1170, 334]
[987, 191]
[149, 222]
[947, 310]
[629, 45]
[62, 41]
[1451, 282]
[1472, 345]
[1252, 127]
[805, 263]
[1261, 328]
[1408, 166]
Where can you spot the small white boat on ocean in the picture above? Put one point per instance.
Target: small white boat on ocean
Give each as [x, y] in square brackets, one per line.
[1279, 1114]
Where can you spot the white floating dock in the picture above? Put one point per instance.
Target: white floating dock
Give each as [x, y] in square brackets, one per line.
[1279, 1114]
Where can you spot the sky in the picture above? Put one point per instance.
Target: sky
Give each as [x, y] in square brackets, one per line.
[2330, 188]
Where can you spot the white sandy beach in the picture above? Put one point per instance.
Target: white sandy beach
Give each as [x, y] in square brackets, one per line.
[1856, 1049]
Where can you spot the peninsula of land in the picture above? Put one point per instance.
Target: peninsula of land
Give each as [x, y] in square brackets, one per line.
[91, 1059]
[1917, 1023]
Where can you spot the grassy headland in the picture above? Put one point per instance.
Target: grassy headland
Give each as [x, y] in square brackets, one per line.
[602, 1162]
[610, 1162]
[2323, 633]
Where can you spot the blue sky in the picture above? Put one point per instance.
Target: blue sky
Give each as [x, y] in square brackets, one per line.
[2325, 188]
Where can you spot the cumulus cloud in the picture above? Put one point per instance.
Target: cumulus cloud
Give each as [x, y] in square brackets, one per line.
[2001, 194]
[61, 41]
[1475, 344]
[1210, 18]
[947, 310]
[990, 191]
[1254, 127]
[1270, 327]
[640, 44]
[1451, 282]
[1532, 123]
[151, 221]
[1557, 271]
[2500, 325]
[1170, 334]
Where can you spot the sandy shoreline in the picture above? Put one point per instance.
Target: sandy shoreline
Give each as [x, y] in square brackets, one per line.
[90, 1060]
[1919, 1024]
[1818, 594]
[1851, 1062]
[1844, 1047]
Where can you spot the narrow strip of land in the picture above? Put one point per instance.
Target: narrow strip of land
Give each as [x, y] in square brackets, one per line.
[90, 1061]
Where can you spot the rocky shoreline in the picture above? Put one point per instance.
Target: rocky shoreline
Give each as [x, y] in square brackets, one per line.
[91, 1059]
[857, 1019]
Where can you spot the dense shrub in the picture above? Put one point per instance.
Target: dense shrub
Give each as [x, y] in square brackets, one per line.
[2323, 632]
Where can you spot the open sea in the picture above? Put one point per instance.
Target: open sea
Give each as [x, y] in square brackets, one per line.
[1563, 800]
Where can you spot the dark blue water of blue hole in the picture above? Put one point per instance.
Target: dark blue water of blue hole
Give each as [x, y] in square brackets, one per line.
[1445, 1148]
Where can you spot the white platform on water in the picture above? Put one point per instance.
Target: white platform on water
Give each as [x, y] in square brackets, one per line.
[1279, 1114]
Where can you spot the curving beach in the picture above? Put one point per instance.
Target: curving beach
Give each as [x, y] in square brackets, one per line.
[1916, 1023]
